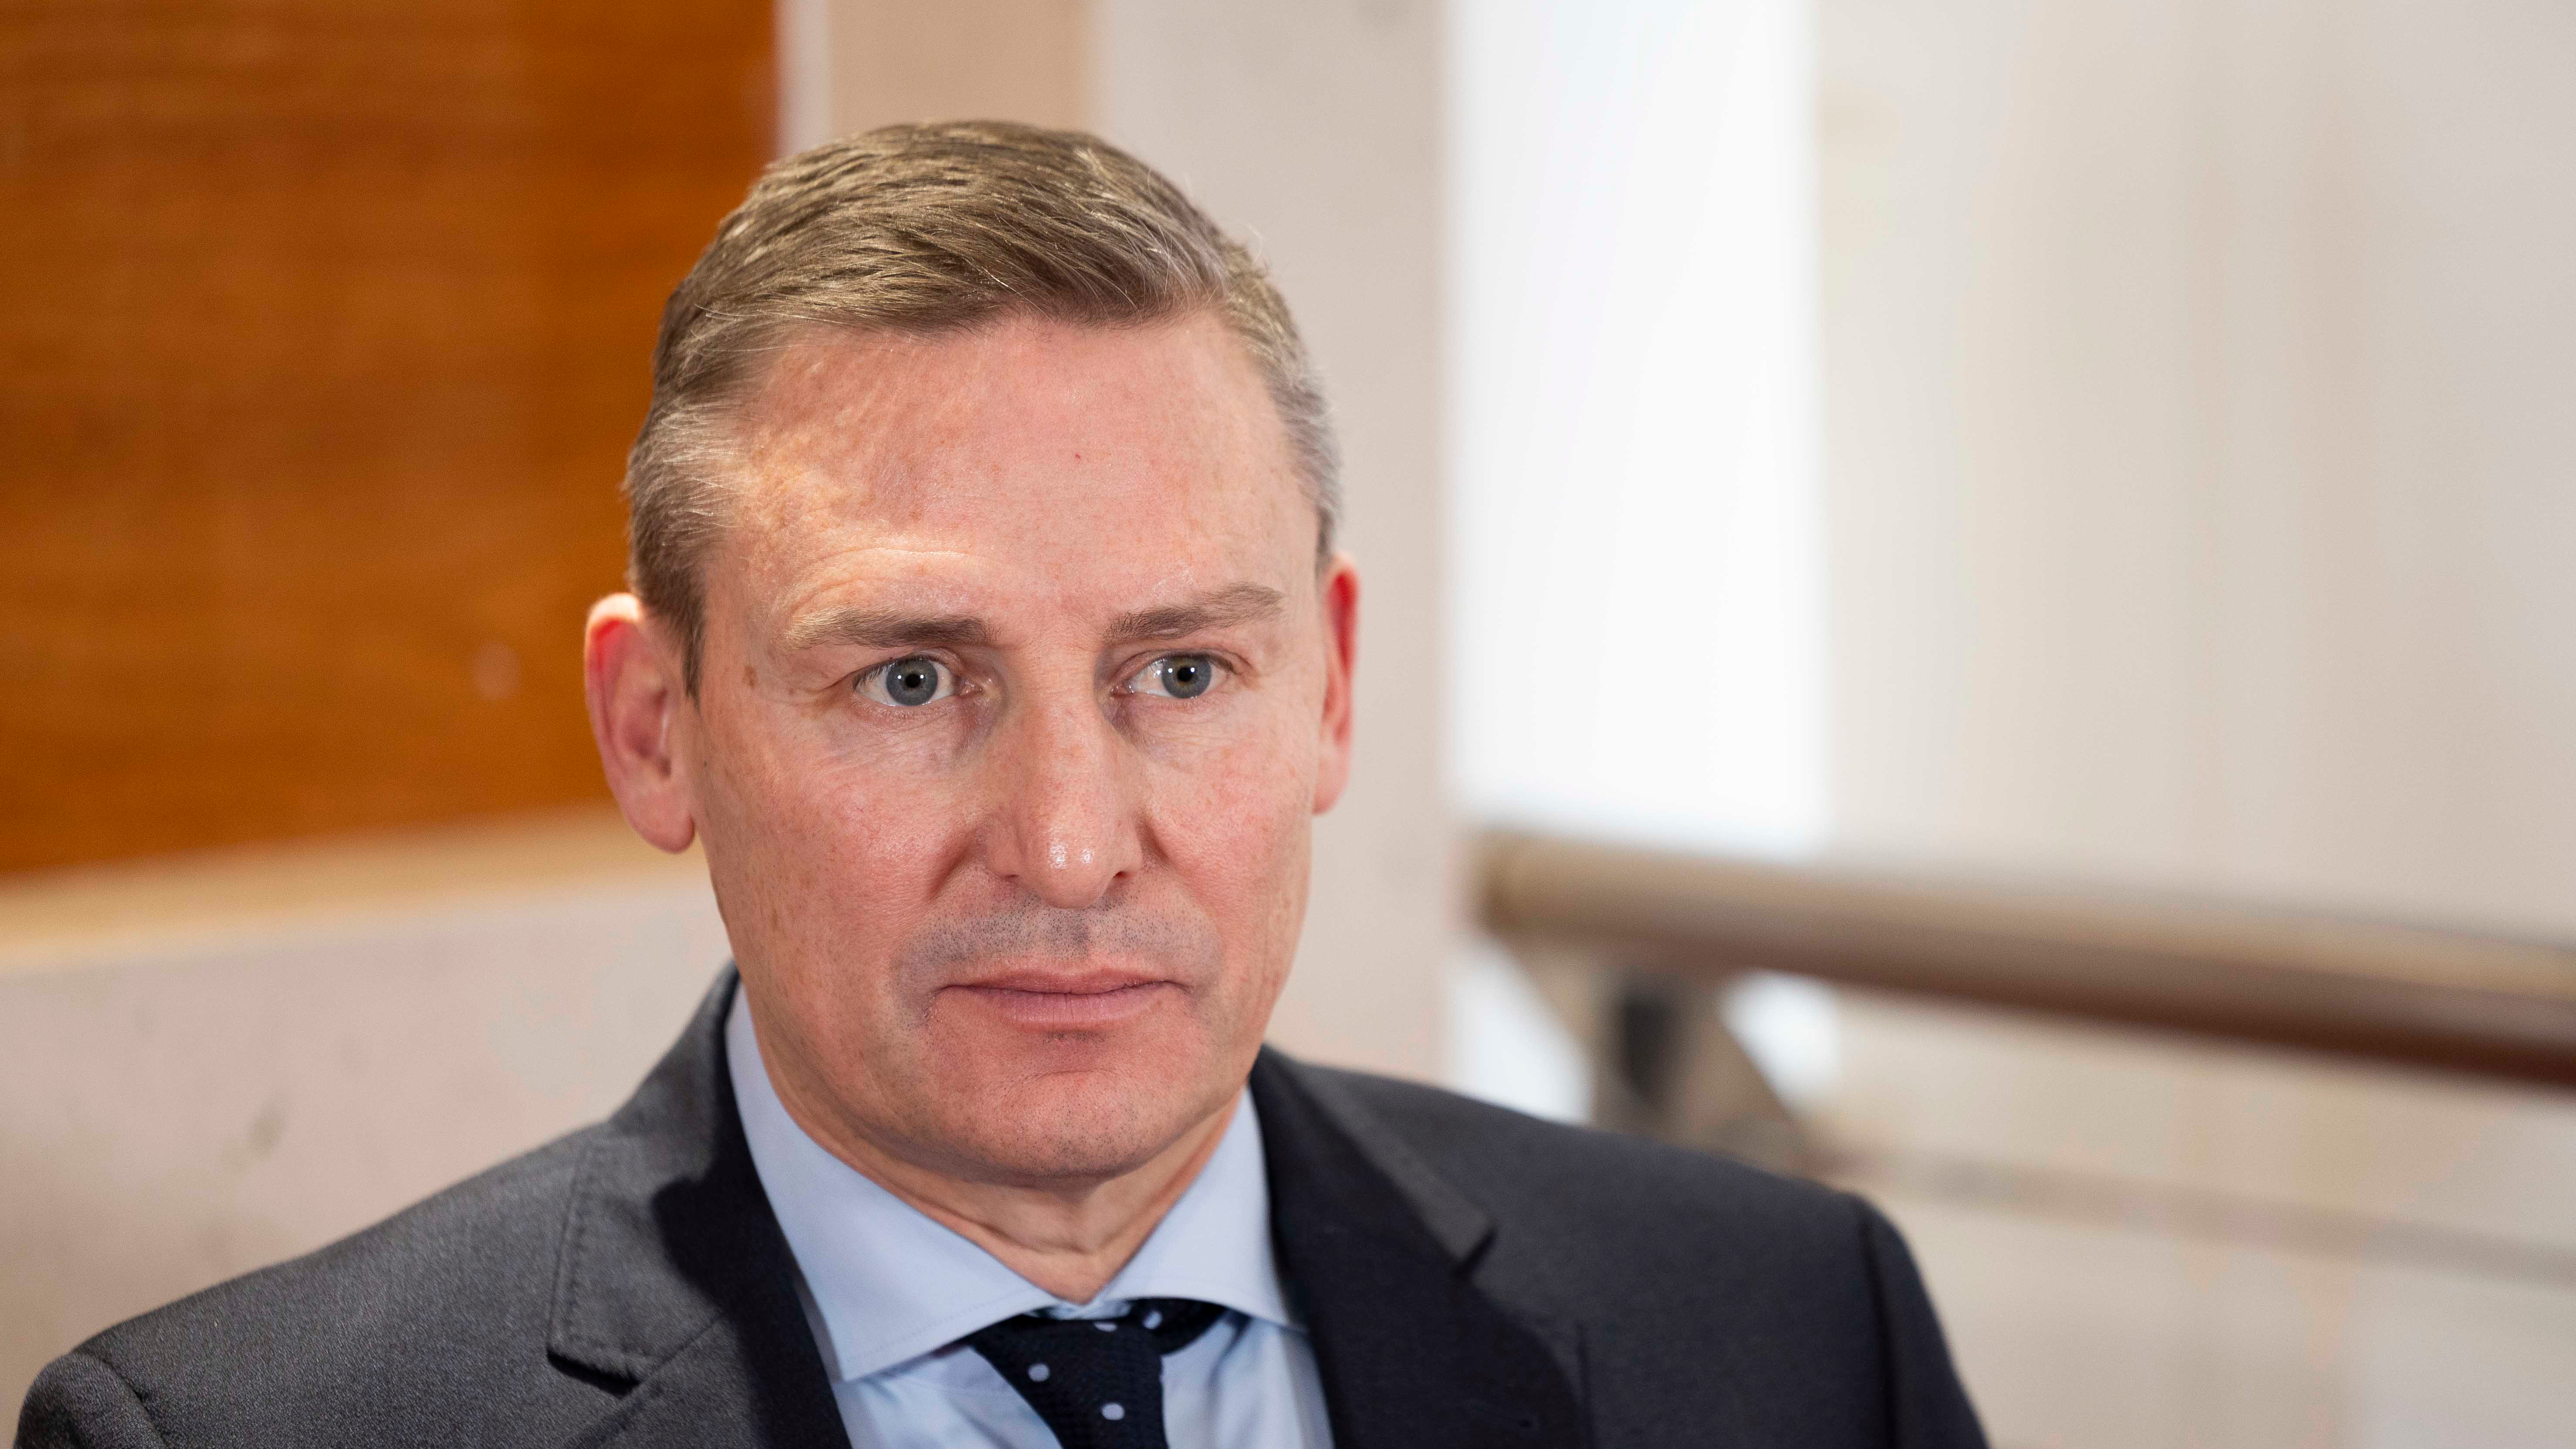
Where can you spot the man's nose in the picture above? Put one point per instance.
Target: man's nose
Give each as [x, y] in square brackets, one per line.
[1066, 824]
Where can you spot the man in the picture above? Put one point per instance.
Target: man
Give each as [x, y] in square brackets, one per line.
[988, 632]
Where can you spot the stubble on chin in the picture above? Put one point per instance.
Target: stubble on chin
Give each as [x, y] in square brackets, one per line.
[1072, 1127]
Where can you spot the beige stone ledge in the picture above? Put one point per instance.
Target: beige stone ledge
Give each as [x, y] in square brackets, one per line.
[67, 918]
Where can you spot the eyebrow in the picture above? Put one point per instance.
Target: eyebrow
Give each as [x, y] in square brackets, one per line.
[889, 629]
[1229, 606]
[883, 629]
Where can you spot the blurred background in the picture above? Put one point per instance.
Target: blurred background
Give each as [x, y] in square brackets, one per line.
[1970, 599]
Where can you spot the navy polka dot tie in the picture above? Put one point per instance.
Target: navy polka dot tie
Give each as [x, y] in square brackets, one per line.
[1098, 1382]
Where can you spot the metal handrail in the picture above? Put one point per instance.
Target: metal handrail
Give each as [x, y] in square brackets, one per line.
[2459, 1001]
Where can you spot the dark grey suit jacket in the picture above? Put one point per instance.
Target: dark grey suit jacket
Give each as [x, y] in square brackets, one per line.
[1470, 1277]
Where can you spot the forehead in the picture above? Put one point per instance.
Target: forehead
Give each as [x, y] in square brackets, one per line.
[1027, 449]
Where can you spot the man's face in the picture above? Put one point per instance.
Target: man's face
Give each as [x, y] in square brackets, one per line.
[1020, 689]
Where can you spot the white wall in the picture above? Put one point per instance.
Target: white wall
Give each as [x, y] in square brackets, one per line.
[2200, 447]
[2198, 461]
[1636, 619]
[848, 65]
[1314, 129]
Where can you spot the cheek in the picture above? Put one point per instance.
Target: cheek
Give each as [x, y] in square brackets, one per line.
[819, 852]
[792, 781]
[1235, 822]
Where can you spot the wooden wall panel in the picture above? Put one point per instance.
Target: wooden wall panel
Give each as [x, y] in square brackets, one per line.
[323, 330]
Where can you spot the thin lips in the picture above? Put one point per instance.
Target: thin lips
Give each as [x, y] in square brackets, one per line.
[1094, 983]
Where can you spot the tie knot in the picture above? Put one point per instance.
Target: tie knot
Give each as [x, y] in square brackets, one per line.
[1172, 1323]
[1097, 1382]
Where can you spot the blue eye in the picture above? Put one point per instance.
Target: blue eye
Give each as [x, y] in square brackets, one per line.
[1177, 676]
[909, 683]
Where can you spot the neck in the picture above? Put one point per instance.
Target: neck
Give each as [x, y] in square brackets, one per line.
[1069, 1239]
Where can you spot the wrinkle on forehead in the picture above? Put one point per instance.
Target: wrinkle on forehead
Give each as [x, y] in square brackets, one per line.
[1024, 445]
[831, 570]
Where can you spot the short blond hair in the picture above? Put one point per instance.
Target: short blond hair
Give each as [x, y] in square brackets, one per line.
[922, 229]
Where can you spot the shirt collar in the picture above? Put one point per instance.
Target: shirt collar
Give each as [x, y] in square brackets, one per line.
[888, 1283]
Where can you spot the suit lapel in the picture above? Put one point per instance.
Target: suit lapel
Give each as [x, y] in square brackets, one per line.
[674, 1277]
[1412, 1354]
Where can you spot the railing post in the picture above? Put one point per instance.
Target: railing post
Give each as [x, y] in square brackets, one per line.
[1664, 1063]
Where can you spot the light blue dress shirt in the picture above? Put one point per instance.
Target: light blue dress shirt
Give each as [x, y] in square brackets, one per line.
[889, 1291]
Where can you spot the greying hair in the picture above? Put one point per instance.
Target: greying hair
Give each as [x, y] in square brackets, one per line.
[924, 229]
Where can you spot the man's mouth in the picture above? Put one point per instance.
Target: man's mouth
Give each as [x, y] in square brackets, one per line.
[1066, 1000]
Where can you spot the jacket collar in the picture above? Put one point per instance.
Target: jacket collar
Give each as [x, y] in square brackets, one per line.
[673, 1275]
[675, 1279]
[1380, 1251]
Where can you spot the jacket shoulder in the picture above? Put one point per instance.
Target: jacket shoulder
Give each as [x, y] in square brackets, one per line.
[1703, 1291]
[1523, 1168]
[363, 1340]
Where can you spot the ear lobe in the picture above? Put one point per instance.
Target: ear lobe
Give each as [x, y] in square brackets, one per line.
[632, 682]
[1340, 600]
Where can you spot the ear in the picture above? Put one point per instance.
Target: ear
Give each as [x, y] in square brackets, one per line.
[1341, 610]
[631, 675]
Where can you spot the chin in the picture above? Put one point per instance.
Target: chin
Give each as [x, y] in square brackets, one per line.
[1093, 1121]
